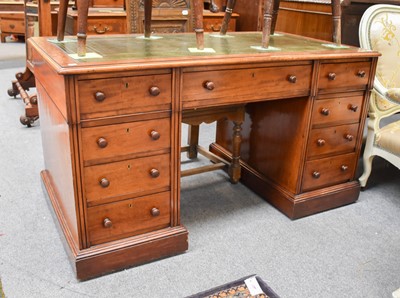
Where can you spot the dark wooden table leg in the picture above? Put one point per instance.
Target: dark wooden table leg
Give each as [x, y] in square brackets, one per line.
[227, 17]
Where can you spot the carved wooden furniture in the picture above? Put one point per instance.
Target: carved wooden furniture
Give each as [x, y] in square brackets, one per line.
[112, 144]
[379, 31]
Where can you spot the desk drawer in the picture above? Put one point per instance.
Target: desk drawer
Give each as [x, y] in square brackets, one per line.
[128, 218]
[111, 25]
[132, 177]
[213, 88]
[328, 171]
[344, 75]
[12, 25]
[337, 110]
[111, 141]
[125, 95]
[334, 139]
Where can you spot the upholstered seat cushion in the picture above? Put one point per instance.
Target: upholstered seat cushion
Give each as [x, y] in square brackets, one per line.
[394, 94]
[388, 138]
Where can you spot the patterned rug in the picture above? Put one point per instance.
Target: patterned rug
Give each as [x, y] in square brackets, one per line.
[247, 287]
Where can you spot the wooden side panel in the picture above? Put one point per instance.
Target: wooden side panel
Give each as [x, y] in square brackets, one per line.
[57, 147]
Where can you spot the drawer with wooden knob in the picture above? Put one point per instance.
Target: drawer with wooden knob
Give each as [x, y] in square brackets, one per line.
[337, 110]
[344, 76]
[133, 177]
[332, 140]
[125, 95]
[106, 26]
[213, 88]
[129, 217]
[328, 171]
[103, 143]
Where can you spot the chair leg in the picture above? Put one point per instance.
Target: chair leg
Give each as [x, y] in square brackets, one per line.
[227, 16]
[61, 18]
[198, 6]
[193, 140]
[82, 26]
[268, 9]
[148, 6]
[275, 10]
[234, 170]
[368, 154]
[336, 15]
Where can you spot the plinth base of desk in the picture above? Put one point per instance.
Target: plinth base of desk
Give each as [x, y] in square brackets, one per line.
[292, 205]
[116, 255]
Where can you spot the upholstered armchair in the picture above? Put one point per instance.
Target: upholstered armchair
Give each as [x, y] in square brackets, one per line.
[380, 30]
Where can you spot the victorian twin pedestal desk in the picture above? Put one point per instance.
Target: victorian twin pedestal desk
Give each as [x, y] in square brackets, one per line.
[111, 130]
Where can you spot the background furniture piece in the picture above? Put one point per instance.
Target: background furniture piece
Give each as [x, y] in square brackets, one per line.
[195, 117]
[100, 21]
[254, 17]
[352, 11]
[12, 19]
[112, 165]
[379, 31]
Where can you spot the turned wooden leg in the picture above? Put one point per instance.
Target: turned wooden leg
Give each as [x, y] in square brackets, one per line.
[336, 16]
[83, 10]
[268, 8]
[61, 18]
[193, 140]
[198, 6]
[275, 10]
[227, 16]
[148, 6]
[234, 170]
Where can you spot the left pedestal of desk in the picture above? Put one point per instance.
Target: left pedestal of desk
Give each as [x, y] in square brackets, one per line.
[109, 151]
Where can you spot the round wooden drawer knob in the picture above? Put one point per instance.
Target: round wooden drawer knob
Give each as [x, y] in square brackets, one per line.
[353, 108]
[361, 74]
[325, 111]
[104, 182]
[155, 212]
[154, 173]
[349, 137]
[154, 91]
[155, 135]
[99, 96]
[209, 85]
[292, 79]
[332, 76]
[316, 174]
[102, 142]
[107, 223]
[321, 142]
[344, 168]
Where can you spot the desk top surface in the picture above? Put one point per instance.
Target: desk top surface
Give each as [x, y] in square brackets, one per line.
[130, 52]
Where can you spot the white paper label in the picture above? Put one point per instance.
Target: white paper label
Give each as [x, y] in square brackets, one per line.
[253, 286]
[185, 12]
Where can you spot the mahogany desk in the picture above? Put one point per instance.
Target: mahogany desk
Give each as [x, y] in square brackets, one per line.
[111, 130]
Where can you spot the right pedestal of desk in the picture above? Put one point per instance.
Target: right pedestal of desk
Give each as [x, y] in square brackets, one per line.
[301, 154]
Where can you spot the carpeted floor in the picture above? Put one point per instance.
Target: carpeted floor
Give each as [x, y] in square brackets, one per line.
[353, 251]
